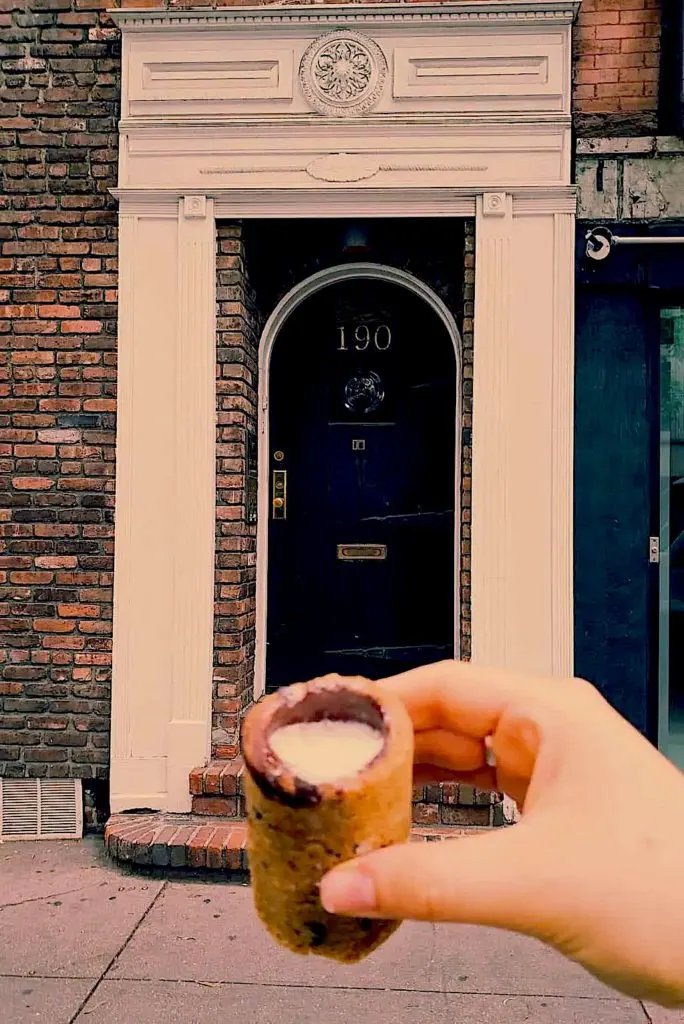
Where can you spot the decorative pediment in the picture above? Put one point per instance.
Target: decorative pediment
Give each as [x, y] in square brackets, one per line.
[278, 96]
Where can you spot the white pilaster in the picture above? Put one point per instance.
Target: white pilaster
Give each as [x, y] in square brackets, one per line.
[492, 413]
[163, 614]
[522, 436]
[143, 573]
[563, 377]
[194, 497]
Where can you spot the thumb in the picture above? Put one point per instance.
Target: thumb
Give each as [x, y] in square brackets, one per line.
[497, 879]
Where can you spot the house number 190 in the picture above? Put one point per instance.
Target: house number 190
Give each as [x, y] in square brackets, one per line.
[381, 338]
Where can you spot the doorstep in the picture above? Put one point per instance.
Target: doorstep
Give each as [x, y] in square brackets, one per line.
[217, 790]
[197, 842]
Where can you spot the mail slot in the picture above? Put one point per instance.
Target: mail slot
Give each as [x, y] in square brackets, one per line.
[361, 552]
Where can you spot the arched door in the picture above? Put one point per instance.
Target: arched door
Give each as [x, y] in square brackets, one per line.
[362, 477]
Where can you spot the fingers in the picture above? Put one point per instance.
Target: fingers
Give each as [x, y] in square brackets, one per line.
[449, 750]
[459, 696]
[495, 879]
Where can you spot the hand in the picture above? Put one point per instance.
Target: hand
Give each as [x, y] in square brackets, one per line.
[595, 867]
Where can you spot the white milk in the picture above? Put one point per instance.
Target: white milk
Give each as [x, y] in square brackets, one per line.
[324, 751]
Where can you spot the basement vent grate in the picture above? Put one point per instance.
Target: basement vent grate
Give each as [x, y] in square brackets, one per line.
[41, 809]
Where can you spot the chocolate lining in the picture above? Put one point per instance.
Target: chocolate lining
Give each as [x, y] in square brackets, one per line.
[335, 699]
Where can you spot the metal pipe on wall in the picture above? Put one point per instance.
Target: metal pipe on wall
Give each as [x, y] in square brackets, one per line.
[600, 241]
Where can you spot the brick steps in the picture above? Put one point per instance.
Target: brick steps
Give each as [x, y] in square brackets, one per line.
[214, 836]
[217, 790]
[202, 843]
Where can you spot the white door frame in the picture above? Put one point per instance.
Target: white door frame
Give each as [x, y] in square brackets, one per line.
[276, 321]
[224, 117]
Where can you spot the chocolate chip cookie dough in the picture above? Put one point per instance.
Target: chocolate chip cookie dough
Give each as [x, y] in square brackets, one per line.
[329, 775]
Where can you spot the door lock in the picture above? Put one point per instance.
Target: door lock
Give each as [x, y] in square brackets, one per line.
[279, 502]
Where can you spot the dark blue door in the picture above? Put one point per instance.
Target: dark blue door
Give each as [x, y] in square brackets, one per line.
[615, 512]
[362, 420]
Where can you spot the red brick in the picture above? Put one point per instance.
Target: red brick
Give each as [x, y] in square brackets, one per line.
[79, 610]
[197, 847]
[34, 451]
[31, 578]
[11, 689]
[230, 777]
[215, 848]
[621, 90]
[225, 751]
[81, 326]
[603, 75]
[620, 31]
[195, 781]
[465, 816]
[33, 358]
[220, 806]
[56, 312]
[426, 814]
[233, 846]
[56, 561]
[53, 625]
[639, 74]
[32, 483]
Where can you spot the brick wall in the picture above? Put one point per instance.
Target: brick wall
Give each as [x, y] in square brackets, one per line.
[235, 580]
[617, 67]
[59, 92]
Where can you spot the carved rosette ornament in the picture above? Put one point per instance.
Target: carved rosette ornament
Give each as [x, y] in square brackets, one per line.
[343, 74]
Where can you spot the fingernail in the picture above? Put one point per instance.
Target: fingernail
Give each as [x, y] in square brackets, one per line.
[348, 891]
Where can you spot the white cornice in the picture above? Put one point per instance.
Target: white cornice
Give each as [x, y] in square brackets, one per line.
[344, 202]
[513, 121]
[481, 12]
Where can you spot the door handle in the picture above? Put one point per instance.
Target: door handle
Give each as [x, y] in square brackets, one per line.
[279, 501]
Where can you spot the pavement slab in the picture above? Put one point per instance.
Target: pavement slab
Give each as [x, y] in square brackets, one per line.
[83, 941]
[192, 928]
[52, 1000]
[211, 933]
[35, 870]
[658, 1015]
[124, 1002]
[73, 925]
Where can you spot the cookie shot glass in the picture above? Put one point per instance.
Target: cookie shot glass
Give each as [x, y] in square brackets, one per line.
[329, 777]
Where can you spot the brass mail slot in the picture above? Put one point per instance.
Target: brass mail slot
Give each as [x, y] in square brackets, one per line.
[361, 552]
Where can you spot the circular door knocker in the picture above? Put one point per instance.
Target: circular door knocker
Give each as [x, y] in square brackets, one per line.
[364, 392]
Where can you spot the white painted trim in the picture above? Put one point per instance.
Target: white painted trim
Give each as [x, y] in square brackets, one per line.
[508, 12]
[563, 405]
[409, 202]
[287, 305]
[491, 533]
[522, 599]
[166, 505]
[192, 637]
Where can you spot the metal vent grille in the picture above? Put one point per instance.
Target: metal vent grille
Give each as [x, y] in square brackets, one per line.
[41, 809]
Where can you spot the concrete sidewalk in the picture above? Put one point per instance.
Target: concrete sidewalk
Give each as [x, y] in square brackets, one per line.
[82, 941]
